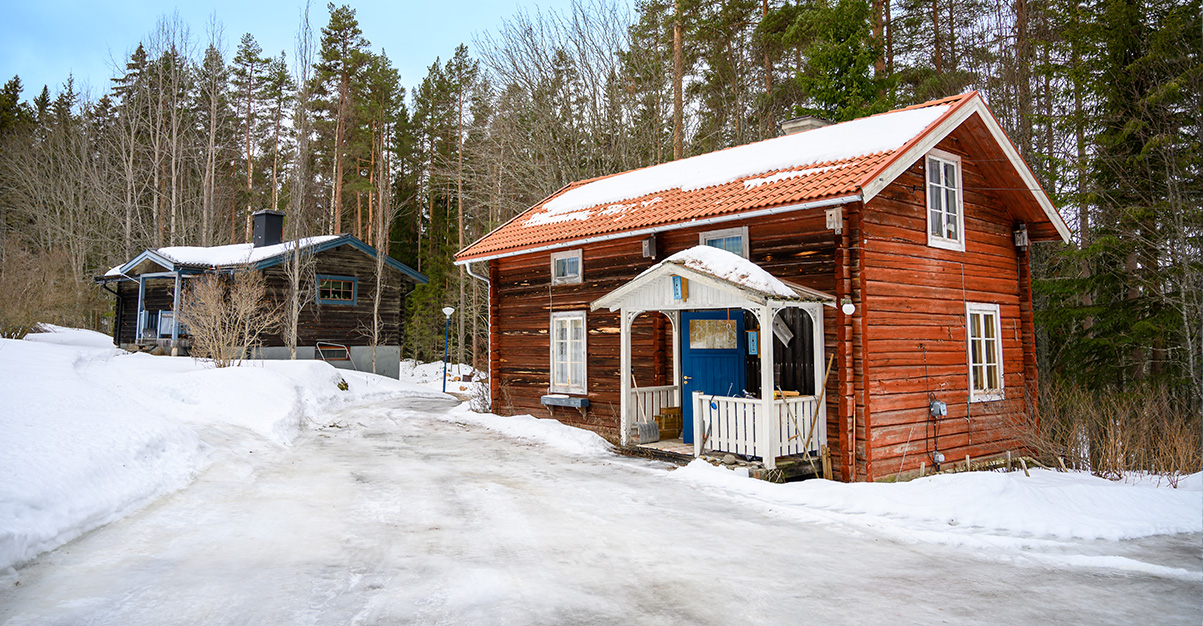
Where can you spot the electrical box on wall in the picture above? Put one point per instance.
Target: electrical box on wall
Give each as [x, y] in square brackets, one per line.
[938, 408]
[835, 219]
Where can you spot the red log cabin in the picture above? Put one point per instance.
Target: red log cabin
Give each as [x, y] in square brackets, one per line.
[888, 255]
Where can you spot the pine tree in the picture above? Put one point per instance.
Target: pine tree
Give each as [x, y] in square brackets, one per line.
[343, 55]
[840, 79]
[246, 76]
[278, 97]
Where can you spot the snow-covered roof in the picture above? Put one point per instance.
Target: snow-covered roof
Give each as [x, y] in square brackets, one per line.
[844, 162]
[724, 280]
[730, 267]
[830, 144]
[247, 255]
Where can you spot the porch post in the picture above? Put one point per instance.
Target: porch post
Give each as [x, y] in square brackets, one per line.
[675, 318]
[624, 375]
[816, 314]
[138, 321]
[175, 318]
[768, 434]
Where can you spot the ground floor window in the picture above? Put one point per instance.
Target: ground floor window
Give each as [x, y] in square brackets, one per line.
[985, 352]
[568, 352]
[337, 289]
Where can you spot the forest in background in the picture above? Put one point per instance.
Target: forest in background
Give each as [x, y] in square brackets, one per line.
[1101, 97]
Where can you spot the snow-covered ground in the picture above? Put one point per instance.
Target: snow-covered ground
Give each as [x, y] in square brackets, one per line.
[267, 495]
[89, 433]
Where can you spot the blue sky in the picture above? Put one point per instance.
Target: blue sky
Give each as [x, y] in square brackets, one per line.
[44, 41]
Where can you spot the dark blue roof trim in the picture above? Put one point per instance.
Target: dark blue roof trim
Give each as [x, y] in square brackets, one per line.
[351, 240]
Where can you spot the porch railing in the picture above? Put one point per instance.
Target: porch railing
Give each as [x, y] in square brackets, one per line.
[726, 424]
[647, 402]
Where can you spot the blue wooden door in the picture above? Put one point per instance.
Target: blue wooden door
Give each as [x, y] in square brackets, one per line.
[712, 358]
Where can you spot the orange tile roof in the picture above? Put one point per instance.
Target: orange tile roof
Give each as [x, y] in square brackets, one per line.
[557, 219]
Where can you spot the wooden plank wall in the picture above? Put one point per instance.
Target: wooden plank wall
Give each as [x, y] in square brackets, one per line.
[340, 323]
[795, 246]
[915, 334]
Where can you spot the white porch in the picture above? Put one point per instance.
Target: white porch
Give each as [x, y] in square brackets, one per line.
[771, 425]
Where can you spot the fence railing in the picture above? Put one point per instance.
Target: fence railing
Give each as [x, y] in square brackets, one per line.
[647, 402]
[727, 424]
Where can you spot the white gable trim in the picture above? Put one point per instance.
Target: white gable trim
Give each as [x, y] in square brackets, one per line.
[945, 128]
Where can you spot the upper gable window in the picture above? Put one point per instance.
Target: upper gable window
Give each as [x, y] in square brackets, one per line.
[945, 205]
[566, 267]
[733, 240]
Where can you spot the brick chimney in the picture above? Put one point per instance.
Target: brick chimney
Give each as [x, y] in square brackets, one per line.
[268, 228]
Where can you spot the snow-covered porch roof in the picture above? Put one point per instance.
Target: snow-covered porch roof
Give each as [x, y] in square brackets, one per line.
[704, 277]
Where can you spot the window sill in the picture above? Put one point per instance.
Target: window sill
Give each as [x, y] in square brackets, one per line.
[946, 244]
[987, 397]
[563, 400]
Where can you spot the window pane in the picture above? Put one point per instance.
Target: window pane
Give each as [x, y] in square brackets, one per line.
[571, 266]
[992, 381]
[712, 334]
[933, 171]
[733, 245]
[937, 222]
[950, 174]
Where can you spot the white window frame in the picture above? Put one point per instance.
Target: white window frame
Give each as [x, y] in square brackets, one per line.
[996, 389]
[567, 279]
[577, 378]
[739, 231]
[956, 243]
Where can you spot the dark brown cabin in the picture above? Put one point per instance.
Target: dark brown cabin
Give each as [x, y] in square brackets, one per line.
[902, 241]
[332, 327]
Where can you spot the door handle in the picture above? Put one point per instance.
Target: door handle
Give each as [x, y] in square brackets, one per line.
[686, 379]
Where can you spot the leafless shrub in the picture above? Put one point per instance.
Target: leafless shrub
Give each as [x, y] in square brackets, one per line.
[226, 315]
[41, 287]
[1113, 434]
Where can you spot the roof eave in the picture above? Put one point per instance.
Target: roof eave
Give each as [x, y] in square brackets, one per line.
[718, 219]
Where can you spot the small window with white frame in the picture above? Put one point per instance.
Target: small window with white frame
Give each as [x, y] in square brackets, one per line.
[945, 201]
[566, 267]
[733, 240]
[568, 364]
[985, 352]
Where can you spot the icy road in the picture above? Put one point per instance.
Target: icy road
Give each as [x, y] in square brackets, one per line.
[401, 515]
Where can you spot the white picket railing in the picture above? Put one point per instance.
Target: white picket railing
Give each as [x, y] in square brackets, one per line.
[726, 424]
[647, 402]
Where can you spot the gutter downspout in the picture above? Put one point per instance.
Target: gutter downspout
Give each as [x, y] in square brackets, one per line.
[488, 324]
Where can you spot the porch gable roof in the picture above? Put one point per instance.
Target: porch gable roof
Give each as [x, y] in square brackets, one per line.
[732, 282]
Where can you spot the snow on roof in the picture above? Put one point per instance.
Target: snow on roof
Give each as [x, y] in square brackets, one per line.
[860, 137]
[233, 254]
[730, 267]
